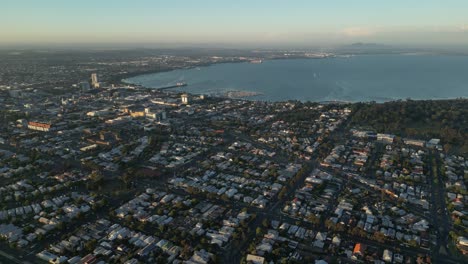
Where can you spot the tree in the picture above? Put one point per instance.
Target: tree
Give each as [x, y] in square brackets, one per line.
[90, 245]
[413, 243]
[252, 248]
[340, 227]
[96, 180]
[278, 252]
[379, 237]
[453, 235]
[142, 226]
[60, 226]
[329, 224]
[258, 231]
[128, 218]
[126, 178]
[192, 190]
[282, 193]
[186, 251]
[28, 229]
[225, 198]
[313, 219]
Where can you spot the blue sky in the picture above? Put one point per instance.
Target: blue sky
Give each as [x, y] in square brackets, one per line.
[253, 22]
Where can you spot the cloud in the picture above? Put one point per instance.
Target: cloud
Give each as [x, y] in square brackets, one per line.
[463, 28]
[358, 32]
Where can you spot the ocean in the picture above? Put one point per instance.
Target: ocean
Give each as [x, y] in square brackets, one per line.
[365, 78]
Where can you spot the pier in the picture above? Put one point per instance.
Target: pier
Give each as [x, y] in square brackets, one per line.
[177, 85]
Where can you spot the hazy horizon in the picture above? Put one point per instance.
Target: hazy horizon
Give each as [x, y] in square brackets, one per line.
[241, 24]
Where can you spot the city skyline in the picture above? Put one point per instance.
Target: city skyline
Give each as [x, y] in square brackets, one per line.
[243, 23]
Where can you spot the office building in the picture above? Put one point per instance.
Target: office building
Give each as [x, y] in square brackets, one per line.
[94, 80]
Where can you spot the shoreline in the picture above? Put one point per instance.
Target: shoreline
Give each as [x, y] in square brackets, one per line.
[322, 102]
[257, 93]
[121, 77]
[144, 73]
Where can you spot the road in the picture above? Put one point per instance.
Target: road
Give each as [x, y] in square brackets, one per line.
[7, 258]
[441, 220]
[233, 255]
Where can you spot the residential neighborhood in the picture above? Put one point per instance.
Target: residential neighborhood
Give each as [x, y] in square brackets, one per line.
[126, 174]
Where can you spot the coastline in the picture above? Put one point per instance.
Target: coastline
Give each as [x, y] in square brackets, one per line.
[123, 77]
[339, 96]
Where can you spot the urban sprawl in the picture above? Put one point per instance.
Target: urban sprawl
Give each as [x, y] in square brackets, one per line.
[108, 172]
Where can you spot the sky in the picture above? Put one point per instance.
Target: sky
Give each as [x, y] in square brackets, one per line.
[234, 22]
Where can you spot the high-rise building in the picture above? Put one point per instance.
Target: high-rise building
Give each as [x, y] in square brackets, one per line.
[94, 80]
[185, 99]
[84, 86]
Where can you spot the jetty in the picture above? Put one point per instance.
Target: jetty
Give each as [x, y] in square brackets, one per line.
[177, 85]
